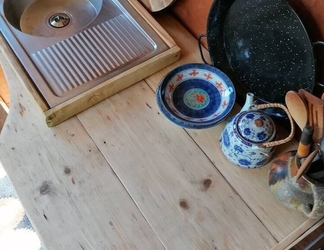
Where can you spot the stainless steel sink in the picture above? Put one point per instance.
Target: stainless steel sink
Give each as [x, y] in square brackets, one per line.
[70, 46]
[51, 18]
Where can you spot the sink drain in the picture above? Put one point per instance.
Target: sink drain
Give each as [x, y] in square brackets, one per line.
[59, 20]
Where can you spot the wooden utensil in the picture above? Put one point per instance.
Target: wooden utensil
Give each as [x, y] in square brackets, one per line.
[306, 163]
[305, 142]
[297, 108]
[156, 5]
[315, 113]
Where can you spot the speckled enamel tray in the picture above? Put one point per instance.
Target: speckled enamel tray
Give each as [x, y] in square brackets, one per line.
[262, 45]
[196, 96]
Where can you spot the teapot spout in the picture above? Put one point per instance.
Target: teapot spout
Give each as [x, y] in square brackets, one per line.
[248, 102]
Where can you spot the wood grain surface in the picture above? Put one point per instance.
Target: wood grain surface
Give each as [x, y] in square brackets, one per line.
[121, 176]
[264, 206]
[70, 193]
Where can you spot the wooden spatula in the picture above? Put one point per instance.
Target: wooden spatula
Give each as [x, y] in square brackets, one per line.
[315, 113]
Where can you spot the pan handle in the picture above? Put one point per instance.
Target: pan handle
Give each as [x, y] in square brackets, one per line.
[318, 43]
[200, 49]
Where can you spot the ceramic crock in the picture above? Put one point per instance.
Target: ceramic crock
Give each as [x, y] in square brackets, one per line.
[305, 194]
[249, 138]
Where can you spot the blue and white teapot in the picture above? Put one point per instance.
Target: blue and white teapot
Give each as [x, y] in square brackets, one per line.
[249, 138]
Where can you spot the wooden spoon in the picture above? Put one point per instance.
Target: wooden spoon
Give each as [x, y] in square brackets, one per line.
[297, 108]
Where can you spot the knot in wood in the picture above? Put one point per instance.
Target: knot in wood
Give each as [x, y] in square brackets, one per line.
[45, 188]
[207, 183]
[67, 170]
[184, 204]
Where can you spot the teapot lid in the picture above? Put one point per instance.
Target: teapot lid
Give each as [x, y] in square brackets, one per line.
[255, 127]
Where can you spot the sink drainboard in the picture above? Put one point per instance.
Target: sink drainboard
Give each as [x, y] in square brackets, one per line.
[94, 52]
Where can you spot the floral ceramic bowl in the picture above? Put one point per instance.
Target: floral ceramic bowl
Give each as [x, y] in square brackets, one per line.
[196, 96]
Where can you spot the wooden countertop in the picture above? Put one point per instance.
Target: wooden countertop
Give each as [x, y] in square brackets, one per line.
[121, 176]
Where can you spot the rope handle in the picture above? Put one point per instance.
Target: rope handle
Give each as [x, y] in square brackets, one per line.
[292, 124]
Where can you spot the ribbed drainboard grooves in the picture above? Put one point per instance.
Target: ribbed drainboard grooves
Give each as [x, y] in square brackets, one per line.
[92, 53]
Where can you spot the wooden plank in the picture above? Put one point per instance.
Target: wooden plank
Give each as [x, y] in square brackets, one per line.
[69, 191]
[292, 237]
[170, 179]
[305, 239]
[100, 92]
[250, 184]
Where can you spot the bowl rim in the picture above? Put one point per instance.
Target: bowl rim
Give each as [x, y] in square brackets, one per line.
[193, 124]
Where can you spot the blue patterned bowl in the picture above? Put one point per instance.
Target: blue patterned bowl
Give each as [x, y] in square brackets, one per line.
[196, 96]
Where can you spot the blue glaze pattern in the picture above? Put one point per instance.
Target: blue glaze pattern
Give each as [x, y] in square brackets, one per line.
[226, 139]
[244, 162]
[243, 135]
[255, 127]
[196, 96]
